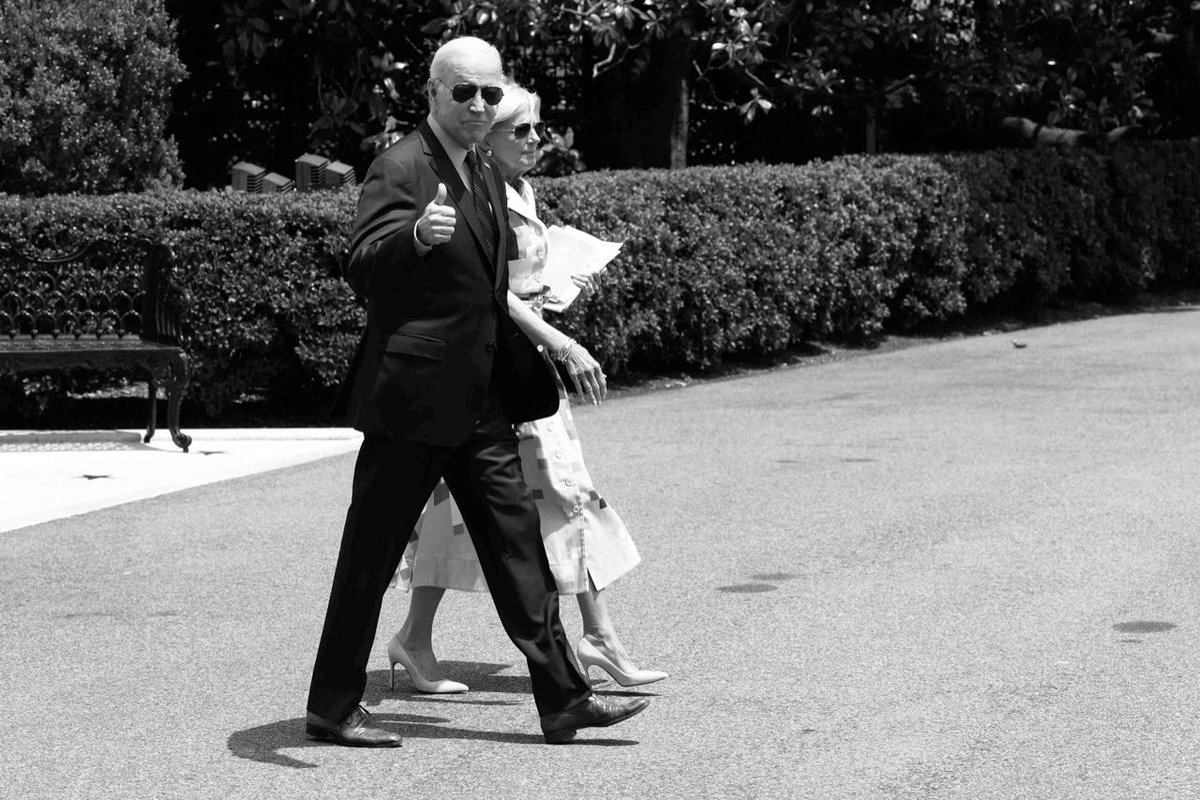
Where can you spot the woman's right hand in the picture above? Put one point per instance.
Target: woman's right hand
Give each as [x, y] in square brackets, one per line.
[586, 374]
[589, 282]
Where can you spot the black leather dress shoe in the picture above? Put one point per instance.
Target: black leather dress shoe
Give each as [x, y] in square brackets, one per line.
[591, 713]
[353, 731]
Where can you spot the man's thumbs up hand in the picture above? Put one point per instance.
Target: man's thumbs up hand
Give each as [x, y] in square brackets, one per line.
[436, 224]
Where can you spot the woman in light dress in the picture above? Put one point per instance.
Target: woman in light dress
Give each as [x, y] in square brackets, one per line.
[586, 542]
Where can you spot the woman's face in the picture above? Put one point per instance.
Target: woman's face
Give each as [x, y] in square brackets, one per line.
[515, 144]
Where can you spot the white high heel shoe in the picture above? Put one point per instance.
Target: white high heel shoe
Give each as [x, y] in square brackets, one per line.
[590, 656]
[398, 655]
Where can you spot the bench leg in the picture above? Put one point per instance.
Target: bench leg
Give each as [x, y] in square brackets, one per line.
[179, 375]
[152, 424]
[174, 377]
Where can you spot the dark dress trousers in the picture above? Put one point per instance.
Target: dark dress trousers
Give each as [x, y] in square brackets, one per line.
[439, 378]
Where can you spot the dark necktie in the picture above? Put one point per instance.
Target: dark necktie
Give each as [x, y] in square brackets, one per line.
[482, 208]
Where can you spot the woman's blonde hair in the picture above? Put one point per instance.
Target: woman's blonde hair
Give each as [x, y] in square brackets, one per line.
[517, 100]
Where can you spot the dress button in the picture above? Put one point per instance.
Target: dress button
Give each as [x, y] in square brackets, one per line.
[490, 348]
[568, 482]
[577, 508]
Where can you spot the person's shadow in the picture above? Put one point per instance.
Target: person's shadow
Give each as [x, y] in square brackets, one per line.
[266, 743]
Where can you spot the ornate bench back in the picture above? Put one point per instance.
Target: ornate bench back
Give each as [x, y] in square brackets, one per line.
[102, 290]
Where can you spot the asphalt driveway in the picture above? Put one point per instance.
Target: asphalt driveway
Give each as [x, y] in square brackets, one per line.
[961, 570]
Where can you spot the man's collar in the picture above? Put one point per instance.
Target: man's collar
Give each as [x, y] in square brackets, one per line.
[453, 149]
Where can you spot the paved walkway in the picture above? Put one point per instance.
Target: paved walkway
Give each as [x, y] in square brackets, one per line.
[54, 474]
[963, 570]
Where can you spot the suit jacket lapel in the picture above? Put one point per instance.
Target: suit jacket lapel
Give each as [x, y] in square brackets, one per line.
[443, 167]
[496, 194]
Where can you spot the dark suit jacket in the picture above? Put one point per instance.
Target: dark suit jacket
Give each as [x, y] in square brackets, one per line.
[438, 325]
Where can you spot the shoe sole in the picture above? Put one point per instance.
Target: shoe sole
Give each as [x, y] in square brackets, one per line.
[566, 735]
[632, 684]
[561, 737]
[321, 736]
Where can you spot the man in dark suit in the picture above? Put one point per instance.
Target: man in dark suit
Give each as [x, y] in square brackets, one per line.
[439, 379]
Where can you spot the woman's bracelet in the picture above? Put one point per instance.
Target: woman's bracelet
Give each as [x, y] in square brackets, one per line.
[560, 355]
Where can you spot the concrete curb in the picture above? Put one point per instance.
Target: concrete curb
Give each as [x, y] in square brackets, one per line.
[132, 436]
[70, 437]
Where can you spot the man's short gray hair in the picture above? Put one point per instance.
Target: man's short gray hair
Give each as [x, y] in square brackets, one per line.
[456, 48]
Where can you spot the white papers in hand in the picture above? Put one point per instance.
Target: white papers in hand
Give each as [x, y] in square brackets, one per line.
[571, 252]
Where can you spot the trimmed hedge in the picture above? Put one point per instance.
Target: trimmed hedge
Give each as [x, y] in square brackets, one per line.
[744, 260]
[718, 262]
[269, 314]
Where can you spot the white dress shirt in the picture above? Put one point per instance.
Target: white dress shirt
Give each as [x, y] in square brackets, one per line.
[458, 157]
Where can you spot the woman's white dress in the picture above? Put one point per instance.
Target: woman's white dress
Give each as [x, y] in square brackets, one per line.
[582, 534]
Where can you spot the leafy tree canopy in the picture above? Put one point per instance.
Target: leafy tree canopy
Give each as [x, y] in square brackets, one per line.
[85, 91]
[722, 80]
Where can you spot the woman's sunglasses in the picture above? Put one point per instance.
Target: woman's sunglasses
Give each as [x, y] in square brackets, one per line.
[463, 92]
[522, 131]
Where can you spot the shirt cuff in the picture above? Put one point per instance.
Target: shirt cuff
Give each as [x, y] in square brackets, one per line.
[422, 248]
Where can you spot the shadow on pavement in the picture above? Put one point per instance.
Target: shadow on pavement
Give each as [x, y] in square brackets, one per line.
[413, 696]
[479, 676]
[603, 690]
[265, 743]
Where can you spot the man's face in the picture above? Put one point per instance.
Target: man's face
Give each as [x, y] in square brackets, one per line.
[469, 121]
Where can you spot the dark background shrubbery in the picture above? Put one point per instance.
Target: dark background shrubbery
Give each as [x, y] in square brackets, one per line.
[719, 262]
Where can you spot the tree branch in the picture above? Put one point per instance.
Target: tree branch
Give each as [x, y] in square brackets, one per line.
[1029, 131]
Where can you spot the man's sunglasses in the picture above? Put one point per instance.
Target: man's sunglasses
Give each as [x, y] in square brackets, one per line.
[463, 92]
[522, 131]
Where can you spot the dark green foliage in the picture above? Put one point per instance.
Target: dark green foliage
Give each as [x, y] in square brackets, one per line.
[1156, 212]
[269, 313]
[1047, 223]
[85, 92]
[273, 79]
[718, 262]
[644, 83]
[728, 261]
